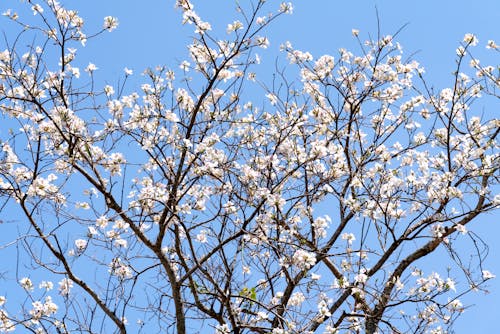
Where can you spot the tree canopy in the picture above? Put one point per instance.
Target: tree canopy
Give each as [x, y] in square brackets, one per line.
[210, 200]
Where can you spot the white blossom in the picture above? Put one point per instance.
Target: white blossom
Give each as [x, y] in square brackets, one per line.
[110, 23]
[65, 286]
[303, 259]
[26, 284]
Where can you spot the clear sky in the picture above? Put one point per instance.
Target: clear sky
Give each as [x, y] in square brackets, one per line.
[150, 34]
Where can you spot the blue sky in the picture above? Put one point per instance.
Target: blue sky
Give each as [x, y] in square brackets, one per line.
[150, 34]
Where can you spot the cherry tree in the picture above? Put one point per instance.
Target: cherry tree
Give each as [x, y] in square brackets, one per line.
[209, 200]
